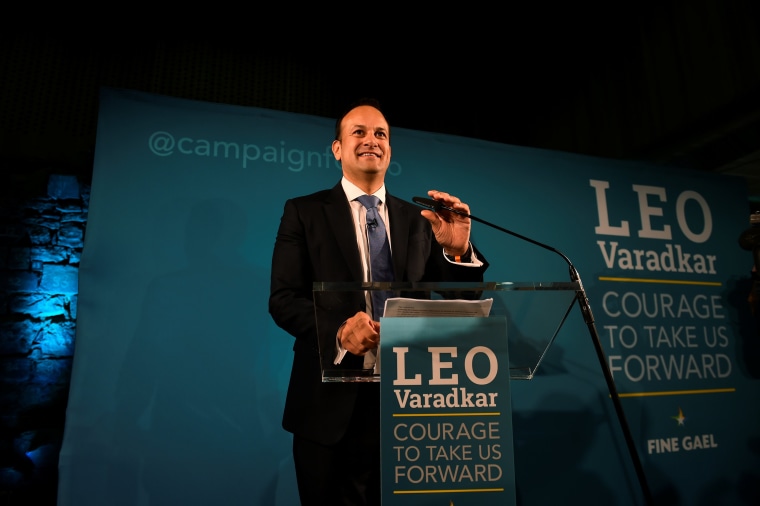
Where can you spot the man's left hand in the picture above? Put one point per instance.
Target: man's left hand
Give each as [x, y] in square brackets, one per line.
[452, 231]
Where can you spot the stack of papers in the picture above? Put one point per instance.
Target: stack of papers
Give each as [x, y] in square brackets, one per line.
[401, 306]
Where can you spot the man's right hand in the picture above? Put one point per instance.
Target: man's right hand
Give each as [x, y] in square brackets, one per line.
[360, 334]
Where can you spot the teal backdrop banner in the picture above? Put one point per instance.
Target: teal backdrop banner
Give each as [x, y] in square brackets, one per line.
[179, 374]
[446, 412]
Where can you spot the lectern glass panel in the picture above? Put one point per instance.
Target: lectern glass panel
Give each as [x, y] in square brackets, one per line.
[534, 311]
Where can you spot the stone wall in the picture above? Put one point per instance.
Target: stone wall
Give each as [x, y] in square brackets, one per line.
[41, 238]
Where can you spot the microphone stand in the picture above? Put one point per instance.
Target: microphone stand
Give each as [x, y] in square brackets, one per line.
[588, 317]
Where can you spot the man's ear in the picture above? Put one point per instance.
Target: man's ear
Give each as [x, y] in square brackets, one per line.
[336, 149]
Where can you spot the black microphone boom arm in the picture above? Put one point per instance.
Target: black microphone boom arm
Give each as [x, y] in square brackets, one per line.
[588, 317]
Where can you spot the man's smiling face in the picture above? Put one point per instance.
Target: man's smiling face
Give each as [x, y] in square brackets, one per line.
[364, 148]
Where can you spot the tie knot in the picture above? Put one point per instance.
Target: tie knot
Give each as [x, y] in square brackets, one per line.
[368, 201]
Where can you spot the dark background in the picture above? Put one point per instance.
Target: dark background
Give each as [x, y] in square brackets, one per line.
[670, 82]
[674, 83]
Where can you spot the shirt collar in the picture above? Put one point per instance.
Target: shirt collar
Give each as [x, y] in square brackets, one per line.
[352, 191]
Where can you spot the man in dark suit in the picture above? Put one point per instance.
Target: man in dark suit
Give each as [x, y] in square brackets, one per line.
[336, 426]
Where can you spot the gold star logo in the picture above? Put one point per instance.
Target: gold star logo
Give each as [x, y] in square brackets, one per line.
[680, 418]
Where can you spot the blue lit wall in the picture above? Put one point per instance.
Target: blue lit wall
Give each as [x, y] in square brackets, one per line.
[41, 236]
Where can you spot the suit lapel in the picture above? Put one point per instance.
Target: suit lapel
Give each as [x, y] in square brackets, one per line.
[400, 220]
[338, 216]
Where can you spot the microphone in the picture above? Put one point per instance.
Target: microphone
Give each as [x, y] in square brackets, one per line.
[436, 206]
[372, 224]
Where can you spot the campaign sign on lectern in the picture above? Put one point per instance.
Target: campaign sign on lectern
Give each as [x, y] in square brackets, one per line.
[446, 413]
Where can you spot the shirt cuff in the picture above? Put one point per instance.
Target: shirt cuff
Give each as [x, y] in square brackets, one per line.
[340, 351]
[469, 259]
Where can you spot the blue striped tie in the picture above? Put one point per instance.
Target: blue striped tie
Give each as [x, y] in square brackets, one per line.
[381, 264]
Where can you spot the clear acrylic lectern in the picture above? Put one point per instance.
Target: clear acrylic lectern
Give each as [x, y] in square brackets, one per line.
[534, 312]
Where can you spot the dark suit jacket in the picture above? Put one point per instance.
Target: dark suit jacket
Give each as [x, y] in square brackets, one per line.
[316, 242]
